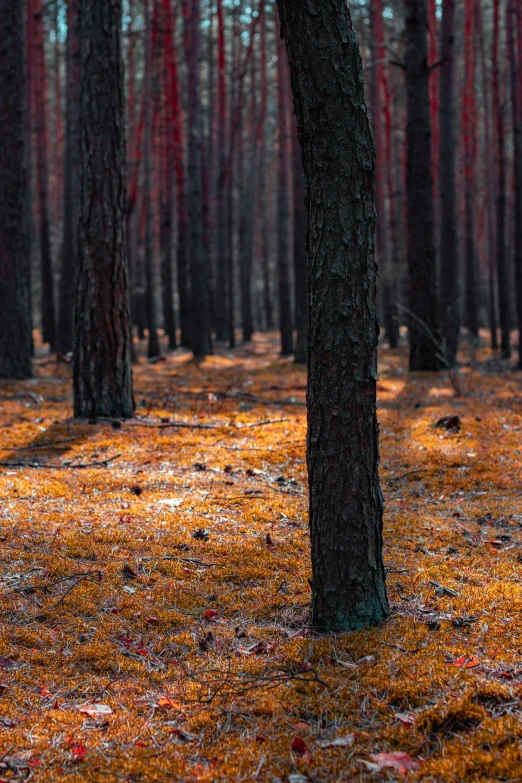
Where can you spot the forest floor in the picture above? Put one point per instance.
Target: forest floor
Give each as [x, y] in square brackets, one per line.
[154, 582]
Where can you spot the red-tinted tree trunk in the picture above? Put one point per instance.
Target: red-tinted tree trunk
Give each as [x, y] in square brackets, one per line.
[498, 119]
[469, 118]
[283, 208]
[348, 579]
[71, 201]
[15, 322]
[102, 348]
[449, 268]
[39, 79]
[514, 29]
[424, 329]
[200, 322]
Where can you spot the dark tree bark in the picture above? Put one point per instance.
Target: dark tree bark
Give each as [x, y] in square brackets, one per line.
[449, 266]
[15, 322]
[153, 348]
[348, 583]
[40, 98]
[469, 120]
[220, 307]
[283, 206]
[300, 269]
[502, 265]
[200, 321]
[424, 329]
[514, 28]
[102, 346]
[71, 200]
[263, 166]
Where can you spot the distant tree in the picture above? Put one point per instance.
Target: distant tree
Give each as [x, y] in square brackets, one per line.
[71, 193]
[15, 322]
[348, 578]
[449, 268]
[299, 252]
[469, 122]
[102, 345]
[424, 324]
[514, 40]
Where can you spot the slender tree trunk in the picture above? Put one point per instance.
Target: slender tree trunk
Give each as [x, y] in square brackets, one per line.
[348, 579]
[502, 265]
[40, 97]
[221, 214]
[71, 201]
[200, 325]
[149, 96]
[449, 266]
[394, 257]
[263, 167]
[283, 208]
[514, 30]
[469, 119]
[102, 347]
[433, 59]
[15, 322]
[424, 329]
[300, 268]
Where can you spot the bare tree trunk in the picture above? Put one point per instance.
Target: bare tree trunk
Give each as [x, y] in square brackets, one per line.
[469, 119]
[514, 29]
[15, 322]
[102, 346]
[348, 578]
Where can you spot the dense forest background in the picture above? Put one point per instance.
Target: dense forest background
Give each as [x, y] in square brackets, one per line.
[250, 223]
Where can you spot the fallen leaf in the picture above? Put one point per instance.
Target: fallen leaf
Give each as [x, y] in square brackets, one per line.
[398, 760]
[96, 710]
[338, 742]
[466, 663]
[78, 751]
[298, 745]
[209, 614]
[405, 717]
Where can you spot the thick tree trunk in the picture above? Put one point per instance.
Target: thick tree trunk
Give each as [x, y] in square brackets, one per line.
[469, 120]
[348, 582]
[71, 201]
[283, 206]
[200, 322]
[449, 267]
[102, 346]
[502, 265]
[15, 322]
[424, 329]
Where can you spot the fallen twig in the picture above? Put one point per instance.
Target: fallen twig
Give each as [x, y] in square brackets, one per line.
[52, 466]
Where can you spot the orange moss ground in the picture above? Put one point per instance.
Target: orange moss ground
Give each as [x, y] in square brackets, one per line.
[200, 648]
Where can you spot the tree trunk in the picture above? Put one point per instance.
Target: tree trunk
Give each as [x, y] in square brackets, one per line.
[449, 267]
[248, 211]
[283, 207]
[514, 28]
[502, 265]
[153, 349]
[348, 582]
[469, 120]
[300, 269]
[263, 168]
[221, 213]
[40, 97]
[15, 322]
[71, 201]
[102, 346]
[424, 330]
[200, 324]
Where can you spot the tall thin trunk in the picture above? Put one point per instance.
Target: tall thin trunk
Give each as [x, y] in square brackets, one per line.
[424, 329]
[148, 182]
[299, 251]
[469, 141]
[263, 167]
[514, 30]
[71, 201]
[102, 345]
[434, 58]
[394, 258]
[348, 577]
[15, 323]
[283, 208]
[221, 216]
[502, 265]
[449, 268]
[200, 325]
[39, 77]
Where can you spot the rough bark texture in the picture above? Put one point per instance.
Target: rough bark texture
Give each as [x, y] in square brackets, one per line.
[200, 321]
[498, 119]
[449, 270]
[15, 324]
[71, 200]
[424, 330]
[348, 582]
[102, 361]
[514, 26]
[283, 207]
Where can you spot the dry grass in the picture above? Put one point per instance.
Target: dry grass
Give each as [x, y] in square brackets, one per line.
[200, 646]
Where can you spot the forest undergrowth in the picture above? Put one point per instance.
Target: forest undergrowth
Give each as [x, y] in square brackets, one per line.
[154, 582]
